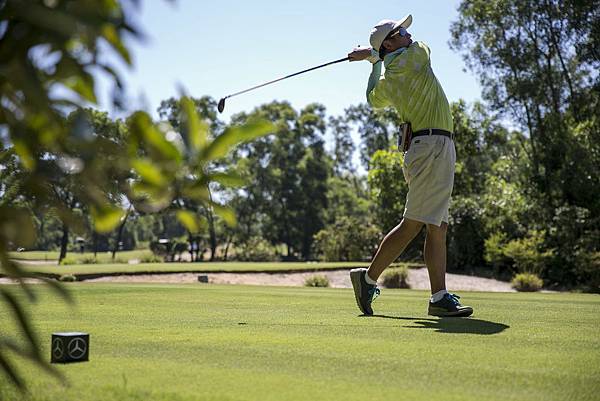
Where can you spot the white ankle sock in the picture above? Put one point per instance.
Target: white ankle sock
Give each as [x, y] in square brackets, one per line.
[438, 295]
[369, 280]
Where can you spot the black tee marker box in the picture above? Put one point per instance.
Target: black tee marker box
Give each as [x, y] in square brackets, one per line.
[70, 347]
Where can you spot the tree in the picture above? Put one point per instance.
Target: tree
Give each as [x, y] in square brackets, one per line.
[387, 187]
[539, 69]
[538, 62]
[343, 146]
[288, 173]
[375, 127]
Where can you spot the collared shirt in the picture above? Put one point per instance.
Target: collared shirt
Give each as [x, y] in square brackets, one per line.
[410, 86]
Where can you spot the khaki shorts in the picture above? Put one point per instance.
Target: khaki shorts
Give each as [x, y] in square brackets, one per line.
[429, 171]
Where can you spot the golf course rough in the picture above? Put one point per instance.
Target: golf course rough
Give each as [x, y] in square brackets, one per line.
[198, 342]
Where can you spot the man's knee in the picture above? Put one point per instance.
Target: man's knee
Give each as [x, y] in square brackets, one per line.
[412, 225]
[440, 230]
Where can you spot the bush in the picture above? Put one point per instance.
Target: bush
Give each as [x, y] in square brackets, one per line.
[317, 281]
[68, 261]
[67, 278]
[159, 249]
[465, 242]
[89, 260]
[348, 239]
[178, 248]
[527, 282]
[528, 253]
[120, 260]
[151, 259]
[256, 249]
[396, 277]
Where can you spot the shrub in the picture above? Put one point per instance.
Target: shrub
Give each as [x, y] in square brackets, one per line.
[89, 260]
[160, 249]
[256, 249]
[465, 243]
[151, 259]
[528, 254]
[348, 239]
[590, 269]
[178, 248]
[120, 260]
[68, 261]
[527, 282]
[317, 281]
[67, 278]
[396, 277]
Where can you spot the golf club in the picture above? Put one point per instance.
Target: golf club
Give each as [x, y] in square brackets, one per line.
[221, 105]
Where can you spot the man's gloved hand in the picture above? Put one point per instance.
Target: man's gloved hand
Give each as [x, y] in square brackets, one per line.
[364, 53]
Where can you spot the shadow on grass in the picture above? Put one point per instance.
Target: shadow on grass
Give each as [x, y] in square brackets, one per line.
[452, 324]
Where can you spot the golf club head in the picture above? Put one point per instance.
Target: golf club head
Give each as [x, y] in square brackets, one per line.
[221, 105]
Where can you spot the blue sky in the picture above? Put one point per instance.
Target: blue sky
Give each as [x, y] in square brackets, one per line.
[218, 48]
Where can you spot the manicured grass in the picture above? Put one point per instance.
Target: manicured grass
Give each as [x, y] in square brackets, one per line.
[101, 257]
[192, 267]
[204, 342]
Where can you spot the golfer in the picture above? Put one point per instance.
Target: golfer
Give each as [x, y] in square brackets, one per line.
[409, 85]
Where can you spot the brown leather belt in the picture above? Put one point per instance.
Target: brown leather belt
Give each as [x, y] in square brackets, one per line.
[433, 131]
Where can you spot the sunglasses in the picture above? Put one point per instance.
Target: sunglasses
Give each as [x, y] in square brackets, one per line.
[401, 31]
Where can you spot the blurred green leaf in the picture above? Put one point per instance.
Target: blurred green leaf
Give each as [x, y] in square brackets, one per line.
[109, 32]
[189, 220]
[148, 171]
[44, 17]
[83, 85]
[193, 127]
[21, 318]
[24, 154]
[16, 226]
[235, 135]
[226, 179]
[196, 191]
[57, 287]
[143, 128]
[107, 218]
[225, 213]
[10, 370]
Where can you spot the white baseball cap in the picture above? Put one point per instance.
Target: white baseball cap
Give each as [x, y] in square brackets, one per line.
[384, 27]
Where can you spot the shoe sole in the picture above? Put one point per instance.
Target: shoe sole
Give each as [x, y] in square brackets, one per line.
[444, 313]
[355, 278]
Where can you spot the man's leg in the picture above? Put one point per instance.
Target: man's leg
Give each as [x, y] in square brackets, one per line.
[441, 303]
[364, 282]
[393, 245]
[435, 256]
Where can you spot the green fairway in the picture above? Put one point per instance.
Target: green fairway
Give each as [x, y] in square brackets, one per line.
[203, 342]
[190, 267]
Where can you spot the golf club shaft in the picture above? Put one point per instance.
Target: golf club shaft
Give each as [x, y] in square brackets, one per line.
[287, 76]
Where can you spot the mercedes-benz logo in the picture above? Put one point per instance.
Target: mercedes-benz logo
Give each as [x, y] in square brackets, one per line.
[76, 348]
[57, 348]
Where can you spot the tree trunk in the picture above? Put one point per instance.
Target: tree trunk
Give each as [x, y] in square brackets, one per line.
[211, 231]
[120, 233]
[226, 249]
[95, 243]
[63, 243]
[211, 228]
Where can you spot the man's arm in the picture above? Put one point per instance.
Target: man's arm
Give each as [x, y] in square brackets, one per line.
[375, 88]
[375, 85]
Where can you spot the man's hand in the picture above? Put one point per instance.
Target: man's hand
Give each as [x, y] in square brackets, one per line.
[363, 53]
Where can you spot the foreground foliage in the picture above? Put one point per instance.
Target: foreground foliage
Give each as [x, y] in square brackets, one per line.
[65, 165]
